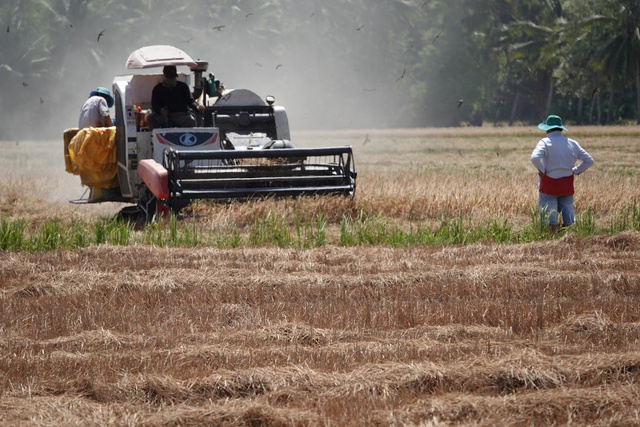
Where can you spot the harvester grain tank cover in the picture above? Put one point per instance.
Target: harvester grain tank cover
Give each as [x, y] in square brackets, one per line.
[239, 98]
[158, 56]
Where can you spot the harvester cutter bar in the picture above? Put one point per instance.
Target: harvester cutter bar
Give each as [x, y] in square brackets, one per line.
[243, 174]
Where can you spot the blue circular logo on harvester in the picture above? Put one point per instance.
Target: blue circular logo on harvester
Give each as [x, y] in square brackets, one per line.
[188, 139]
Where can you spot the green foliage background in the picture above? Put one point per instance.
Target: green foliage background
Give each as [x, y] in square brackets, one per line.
[337, 63]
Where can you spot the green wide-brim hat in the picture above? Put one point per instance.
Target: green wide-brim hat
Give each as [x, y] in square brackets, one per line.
[552, 122]
[104, 92]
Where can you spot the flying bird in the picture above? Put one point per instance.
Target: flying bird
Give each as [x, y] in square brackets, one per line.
[100, 34]
[595, 91]
[366, 139]
[41, 101]
[437, 36]
[278, 66]
[11, 70]
[25, 84]
[248, 15]
[258, 64]
[7, 28]
[219, 27]
[402, 76]
[460, 101]
[360, 27]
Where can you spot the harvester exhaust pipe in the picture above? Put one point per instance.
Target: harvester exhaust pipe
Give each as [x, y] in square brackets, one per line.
[197, 70]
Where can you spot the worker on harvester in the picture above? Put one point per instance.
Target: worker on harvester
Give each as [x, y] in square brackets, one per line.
[95, 110]
[91, 147]
[170, 102]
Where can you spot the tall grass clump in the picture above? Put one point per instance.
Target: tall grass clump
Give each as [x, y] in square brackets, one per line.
[227, 240]
[179, 236]
[538, 229]
[271, 229]
[154, 234]
[114, 231]
[364, 230]
[309, 232]
[173, 232]
[99, 232]
[416, 235]
[118, 232]
[191, 236]
[586, 223]
[499, 232]
[378, 230]
[635, 216]
[627, 218]
[52, 236]
[79, 235]
[12, 234]
[454, 231]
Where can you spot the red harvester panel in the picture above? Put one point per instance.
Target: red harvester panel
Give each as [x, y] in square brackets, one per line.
[155, 176]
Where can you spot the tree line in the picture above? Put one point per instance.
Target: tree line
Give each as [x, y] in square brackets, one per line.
[402, 63]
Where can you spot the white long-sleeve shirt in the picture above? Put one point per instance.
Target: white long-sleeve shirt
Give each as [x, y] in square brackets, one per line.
[556, 156]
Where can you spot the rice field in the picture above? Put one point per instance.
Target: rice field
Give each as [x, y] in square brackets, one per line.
[157, 329]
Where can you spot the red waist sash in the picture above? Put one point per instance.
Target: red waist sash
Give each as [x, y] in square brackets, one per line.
[556, 186]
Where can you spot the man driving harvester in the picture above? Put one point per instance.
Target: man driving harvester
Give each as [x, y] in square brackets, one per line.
[171, 100]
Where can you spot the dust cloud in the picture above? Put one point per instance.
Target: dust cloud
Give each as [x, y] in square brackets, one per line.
[332, 65]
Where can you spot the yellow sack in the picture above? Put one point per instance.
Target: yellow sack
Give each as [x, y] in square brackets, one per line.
[93, 154]
[68, 165]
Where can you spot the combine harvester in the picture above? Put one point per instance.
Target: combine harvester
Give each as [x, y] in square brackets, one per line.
[240, 148]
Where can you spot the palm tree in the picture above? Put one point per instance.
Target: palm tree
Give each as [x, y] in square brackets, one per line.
[620, 50]
[535, 50]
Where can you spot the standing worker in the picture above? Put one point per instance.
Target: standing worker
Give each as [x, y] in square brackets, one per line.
[555, 158]
[95, 110]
